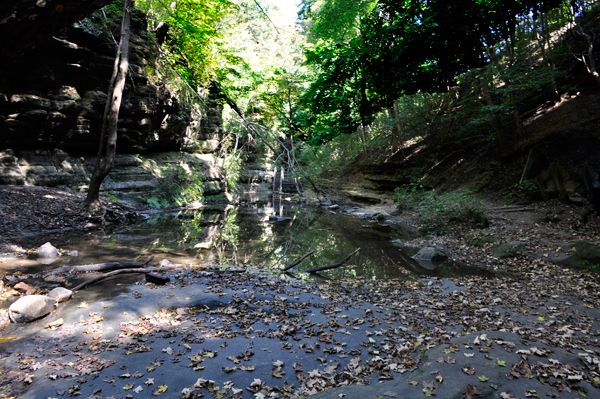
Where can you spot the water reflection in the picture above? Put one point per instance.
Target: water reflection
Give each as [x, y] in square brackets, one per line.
[251, 235]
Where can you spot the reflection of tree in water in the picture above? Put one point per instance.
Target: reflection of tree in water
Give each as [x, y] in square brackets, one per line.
[274, 244]
[244, 235]
[228, 237]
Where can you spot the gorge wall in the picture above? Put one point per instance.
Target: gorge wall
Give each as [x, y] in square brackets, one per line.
[52, 100]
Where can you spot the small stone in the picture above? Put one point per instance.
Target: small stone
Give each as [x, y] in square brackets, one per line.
[47, 251]
[334, 206]
[22, 287]
[31, 307]
[164, 262]
[60, 294]
[72, 253]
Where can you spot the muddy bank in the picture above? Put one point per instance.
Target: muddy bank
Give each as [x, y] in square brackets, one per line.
[540, 230]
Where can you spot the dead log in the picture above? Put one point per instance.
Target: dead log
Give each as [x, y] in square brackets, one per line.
[149, 274]
[298, 261]
[342, 263]
[124, 271]
[156, 279]
[96, 267]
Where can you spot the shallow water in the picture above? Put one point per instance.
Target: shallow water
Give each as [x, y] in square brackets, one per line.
[244, 235]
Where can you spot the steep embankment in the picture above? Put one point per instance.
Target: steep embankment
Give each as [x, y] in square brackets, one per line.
[563, 135]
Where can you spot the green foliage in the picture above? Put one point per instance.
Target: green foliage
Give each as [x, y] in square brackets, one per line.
[409, 196]
[334, 20]
[176, 187]
[192, 43]
[412, 47]
[231, 164]
[437, 211]
[110, 197]
[526, 190]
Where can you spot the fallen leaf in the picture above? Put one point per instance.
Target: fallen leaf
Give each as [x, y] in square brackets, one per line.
[160, 390]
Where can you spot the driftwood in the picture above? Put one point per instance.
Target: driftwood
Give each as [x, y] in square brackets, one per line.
[125, 271]
[149, 272]
[100, 267]
[288, 267]
[342, 263]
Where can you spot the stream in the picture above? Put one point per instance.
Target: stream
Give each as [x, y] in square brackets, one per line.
[257, 235]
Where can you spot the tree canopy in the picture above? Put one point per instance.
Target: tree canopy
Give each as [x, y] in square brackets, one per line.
[405, 47]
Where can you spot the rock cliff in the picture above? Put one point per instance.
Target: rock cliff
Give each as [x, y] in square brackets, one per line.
[52, 100]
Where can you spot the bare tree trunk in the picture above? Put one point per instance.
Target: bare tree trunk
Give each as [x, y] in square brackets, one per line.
[108, 135]
[577, 28]
[363, 121]
[542, 37]
[500, 132]
[507, 82]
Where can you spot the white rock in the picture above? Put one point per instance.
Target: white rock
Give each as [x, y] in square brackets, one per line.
[31, 307]
[47, 251]
[60, 294]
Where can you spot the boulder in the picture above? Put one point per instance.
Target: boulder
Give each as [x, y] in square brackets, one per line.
[381, 216]
[430, 254]
[47, 251]
[508, 250]
[60, 294]
[586, 255]
[31, 307]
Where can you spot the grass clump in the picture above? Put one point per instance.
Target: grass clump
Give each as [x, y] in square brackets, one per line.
[436, 211]
[176, 187]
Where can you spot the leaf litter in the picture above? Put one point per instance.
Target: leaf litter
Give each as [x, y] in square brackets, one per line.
[321, 326]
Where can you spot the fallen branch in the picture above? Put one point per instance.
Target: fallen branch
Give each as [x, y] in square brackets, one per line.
[100, 267]
[148, 271]
[342, 263]
[125, 271]
[298, 261]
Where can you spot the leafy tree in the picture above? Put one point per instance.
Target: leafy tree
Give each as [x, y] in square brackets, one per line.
[192, 42]
[336, 21]
[406, 47]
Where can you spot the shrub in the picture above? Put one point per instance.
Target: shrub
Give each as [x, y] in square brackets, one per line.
[436, 211]
[176, 187]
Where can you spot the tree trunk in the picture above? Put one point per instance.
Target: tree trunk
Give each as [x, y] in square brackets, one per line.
[542, 37]
[588, 56]
[108, 135]
[500, 132]
[363, 120]
[508, 84]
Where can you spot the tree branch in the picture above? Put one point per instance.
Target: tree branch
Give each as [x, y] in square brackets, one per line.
[342, 263]
[100, 267]
[298, 261]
